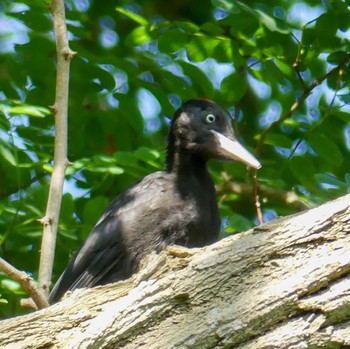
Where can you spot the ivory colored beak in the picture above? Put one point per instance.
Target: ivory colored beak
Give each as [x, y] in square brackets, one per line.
[236, 151]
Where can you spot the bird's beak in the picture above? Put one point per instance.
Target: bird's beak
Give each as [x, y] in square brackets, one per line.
[232, 150]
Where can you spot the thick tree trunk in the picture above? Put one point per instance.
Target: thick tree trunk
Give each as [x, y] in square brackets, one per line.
[285, 284]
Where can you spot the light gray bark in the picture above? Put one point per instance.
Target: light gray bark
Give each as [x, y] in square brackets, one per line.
[285, 284]
[60, 109]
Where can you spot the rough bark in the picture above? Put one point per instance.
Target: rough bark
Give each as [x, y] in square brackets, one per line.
[285, 284]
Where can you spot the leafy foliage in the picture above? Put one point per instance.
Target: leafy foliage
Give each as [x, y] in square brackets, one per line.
[282, 68]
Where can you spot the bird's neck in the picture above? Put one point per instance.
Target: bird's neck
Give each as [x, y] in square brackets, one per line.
[183, 162]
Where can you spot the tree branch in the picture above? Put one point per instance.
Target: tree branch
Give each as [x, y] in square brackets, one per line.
[60, 108]
[283, 284]
[26, 282]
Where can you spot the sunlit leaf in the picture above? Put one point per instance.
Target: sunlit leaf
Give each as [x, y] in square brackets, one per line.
[132, 15]
[8, 155]
[201, 47]
[110, 169]
[30, 110]
[140, 35]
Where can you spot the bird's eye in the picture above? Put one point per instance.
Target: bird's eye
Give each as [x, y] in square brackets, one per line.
[210, 118]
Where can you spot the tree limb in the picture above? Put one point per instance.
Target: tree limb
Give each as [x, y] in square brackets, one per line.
[284, 284]
[50, 221]
[26, 282]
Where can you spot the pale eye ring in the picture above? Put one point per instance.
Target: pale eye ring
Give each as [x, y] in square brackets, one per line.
[210, 118]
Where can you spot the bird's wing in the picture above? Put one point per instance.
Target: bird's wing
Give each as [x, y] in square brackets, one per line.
[106, 249]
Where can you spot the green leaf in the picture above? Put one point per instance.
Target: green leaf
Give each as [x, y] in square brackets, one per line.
[201, 47]
[337, 57]
[238, 223]
[347, 179]
[135, 17]
[342, 115]
[30, 110]
[307, 56]
[309, 37]
[115, 170]
[125, 158]
[130, 112]
[172, 40]
[230, 6]
[212, 28]
[149, 156]
[227, 51]
[93, 210]
[303, 169]
[36, 21]
[3, 300]
[326, 28]
[139, 36]
[234, 86]
[345, 98]
[67, 208]
[106, 79]
[273, 24]
[286, 69]
[7, 155]
[159, 93]
[172, 82]
[243, 26]
[11, 285]
[330, 179]
[2, 206]
[279, 140]
[326, 148]
[188, 26]
[200, 81]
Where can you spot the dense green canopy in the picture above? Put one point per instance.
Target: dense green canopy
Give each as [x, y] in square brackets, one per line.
[281, 68]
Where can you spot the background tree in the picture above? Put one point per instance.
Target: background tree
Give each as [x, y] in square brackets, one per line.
[281, 68]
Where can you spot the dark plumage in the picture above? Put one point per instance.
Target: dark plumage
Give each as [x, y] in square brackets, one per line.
[176, 206]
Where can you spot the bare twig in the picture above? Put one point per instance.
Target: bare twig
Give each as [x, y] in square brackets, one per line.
[302, 81]
[26, 282]
[50, 221]
[257, 200]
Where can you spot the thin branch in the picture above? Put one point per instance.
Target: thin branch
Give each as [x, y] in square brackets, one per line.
[299, 102]
[297, 62]
[257, 199]
[302, 81]
[26, 282]
[50, 221]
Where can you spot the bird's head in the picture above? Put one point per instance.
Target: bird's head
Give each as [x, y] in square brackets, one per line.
[203, 128]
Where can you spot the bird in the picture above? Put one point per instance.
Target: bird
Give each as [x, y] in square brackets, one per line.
[176, 206]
